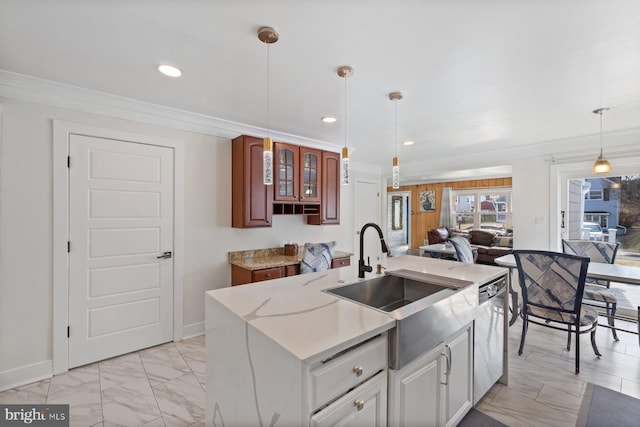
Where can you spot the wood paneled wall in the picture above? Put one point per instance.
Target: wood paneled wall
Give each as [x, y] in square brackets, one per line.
[421, 222]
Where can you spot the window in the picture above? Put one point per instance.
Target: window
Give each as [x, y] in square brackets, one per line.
[487, 209]
[597, 194]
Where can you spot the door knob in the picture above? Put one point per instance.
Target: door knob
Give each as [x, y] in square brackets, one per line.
[165, 255]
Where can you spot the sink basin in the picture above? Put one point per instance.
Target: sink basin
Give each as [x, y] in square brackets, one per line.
[427, 308]
[387, 293]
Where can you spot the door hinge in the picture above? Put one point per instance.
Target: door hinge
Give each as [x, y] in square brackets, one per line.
[68, 161]
[68, 246]
[68, 331]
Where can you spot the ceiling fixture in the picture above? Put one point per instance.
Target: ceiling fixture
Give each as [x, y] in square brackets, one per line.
[267, 35]
[407, 143]
[345, 72]
[395, 177]
[601, 165]
[328, 119]
[169, 70]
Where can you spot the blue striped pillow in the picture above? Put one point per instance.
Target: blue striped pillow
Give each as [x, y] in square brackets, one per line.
[317, 257]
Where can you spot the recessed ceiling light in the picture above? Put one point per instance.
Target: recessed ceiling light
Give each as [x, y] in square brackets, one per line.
[408, 143]
[328, 119]
[169, 70]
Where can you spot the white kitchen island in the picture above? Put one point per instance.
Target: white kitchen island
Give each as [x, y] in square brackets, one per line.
[285, 353]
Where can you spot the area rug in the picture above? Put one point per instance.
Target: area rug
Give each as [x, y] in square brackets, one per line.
[602, 407]
[475, 418]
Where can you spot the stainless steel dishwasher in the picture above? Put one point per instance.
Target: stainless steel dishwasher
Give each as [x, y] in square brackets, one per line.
[488, 360]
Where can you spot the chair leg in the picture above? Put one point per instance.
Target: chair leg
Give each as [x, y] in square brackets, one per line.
[525, 323]
[593, 342]
[611, 313]
[569, 338]
[577, 349]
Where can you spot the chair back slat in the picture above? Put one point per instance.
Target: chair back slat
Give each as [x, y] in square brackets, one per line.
[464, 252]
[552, 280]
[604, 252]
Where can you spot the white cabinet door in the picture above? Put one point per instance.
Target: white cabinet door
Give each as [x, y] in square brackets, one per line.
[414, 392]
[436, 389]
[365, 405]
[459, 388]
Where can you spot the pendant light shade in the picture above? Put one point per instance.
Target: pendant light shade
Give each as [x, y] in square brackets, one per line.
[345, 166]
[345, 72]
[601, 165]
[395, 173]
[395, 178]
[268, 36]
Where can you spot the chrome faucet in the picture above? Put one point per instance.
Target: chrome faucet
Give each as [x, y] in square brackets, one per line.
[361, 265]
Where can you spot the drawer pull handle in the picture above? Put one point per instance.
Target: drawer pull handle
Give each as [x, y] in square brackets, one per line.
[359, 404]
[358, 370]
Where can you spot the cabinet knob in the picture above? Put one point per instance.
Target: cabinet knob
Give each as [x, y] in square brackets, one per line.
[358, 370]
[268, 274]
[359, 404]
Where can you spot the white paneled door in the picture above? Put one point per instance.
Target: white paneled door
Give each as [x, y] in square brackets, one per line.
[121, 244]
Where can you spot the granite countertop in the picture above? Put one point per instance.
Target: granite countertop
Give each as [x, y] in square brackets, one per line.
[297, 315]
[258, 259]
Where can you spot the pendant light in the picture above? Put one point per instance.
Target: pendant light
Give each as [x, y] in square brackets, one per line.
[601, 165]
[268, 36]
[345, 72]
[395, 177]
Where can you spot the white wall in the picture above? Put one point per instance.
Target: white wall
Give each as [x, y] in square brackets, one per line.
[26, 226]
[530, 202]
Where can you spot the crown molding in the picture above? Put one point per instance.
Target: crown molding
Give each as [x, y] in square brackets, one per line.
[46, 92]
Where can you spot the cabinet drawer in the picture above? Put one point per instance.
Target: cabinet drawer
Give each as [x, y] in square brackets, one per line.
[340, 374]
[365, 405]
[292, 270]
[340, 262]
[267, 274]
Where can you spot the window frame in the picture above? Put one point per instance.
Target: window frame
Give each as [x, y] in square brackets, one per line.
[477, 213]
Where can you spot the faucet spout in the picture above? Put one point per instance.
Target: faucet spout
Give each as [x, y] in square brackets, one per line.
[362, 267]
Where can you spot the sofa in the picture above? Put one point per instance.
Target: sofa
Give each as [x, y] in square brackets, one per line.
[489, 245]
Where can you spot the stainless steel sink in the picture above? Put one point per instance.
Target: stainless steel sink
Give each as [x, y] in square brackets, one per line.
[387, 293]
[427, 308]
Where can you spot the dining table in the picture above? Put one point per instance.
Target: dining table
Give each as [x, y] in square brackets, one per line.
[596, 270]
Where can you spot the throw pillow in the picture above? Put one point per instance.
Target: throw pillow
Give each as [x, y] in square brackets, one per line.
[443, 233]
[317, 257]
[505, 242]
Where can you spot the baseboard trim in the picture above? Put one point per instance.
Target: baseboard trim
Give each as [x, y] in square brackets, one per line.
[192, 330]
[26, 375]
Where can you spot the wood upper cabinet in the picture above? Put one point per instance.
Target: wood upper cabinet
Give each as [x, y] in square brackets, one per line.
[297, 173]
[330, 191]
[251, 200]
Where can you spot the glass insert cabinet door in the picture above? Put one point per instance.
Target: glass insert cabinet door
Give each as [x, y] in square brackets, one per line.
[310, 174]
[286, 172]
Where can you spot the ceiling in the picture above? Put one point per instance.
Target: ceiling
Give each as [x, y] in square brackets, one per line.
[483, 81]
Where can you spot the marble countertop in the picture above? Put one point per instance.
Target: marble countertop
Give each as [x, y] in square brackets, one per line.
[295, 313]
[270, 258]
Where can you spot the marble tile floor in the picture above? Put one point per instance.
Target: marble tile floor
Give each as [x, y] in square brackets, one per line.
[164, 385]
[159, 386]
[543, 389]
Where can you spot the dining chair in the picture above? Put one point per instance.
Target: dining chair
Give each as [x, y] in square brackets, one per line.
[464, 252]
[552, 285]
[597, 292]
